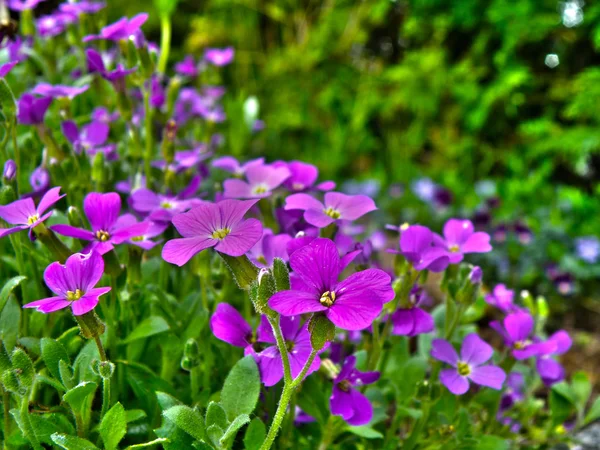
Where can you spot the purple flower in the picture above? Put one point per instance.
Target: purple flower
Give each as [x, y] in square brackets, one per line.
[588, 249]
[17, 48]
[514, 393]
[228, 325]
[268, 248]
[523, 232]
[59, 90]
[90, 136]
[82, 7]
[101, 114]
[473, 354]
[218, 225]
[121, 29]
[160, 207]
[517, 334]
[184, 160]
[54, 24]
[144, 241]
[502, 299]
[6, 68]
[550, 370]
[297, 339]
[413, 320]
[336, 207]
[40, 182]
[302, 417]
[10, 170]
[102, 212]
[25, 215]
[23, 5]
[31, 110]
[303, 177]
[116, 77]
[187, 67]
[261, 181]
[416, 245]
[73, 283]
[351, 304]
[231, 165]
[219, 57]
[460, 238]
[354, 407]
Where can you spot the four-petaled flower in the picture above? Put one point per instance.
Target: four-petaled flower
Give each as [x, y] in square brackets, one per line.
[261, 181]
[354, 407]
[219, 225]
[460, 237]
[416, 245]
[73, 283]
[517, 329]
[25, 215]
[469, 366]
[336, 206]
[121, 29]
[351, 304]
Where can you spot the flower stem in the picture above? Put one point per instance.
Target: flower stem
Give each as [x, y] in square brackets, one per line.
[287, 373]
[6, 404]
[165, 42]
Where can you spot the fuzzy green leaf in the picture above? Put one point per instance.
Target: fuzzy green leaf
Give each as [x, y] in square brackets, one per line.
[255, 434]
[148, 327]
[72, 442]
[8, 288]
[113, 426]
[241, 388]
[52, 353]
[186, 418]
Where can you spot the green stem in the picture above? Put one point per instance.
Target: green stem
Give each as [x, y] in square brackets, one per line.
[195, 382]
[165, 43]
[149, 143]
[105, 396]
[287, 373]
[27, 427]
[6, 405]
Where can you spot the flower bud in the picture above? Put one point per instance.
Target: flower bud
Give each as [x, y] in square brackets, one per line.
[168, 141]
[187, 364]
[74, 216]
[266, 289]
[469, 290]
[243, 271]
[10, 171]
[7, 195]
[90, 325]
[191, 349]
[172, 93]
[106, 369]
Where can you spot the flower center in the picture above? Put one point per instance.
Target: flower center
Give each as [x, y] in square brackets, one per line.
[454, 248]
[297, 186]
[167, 205]
[260, 189]
[463, 368]
[327, 298]
[520, 345]
[74, 295]
[137, 238]
[404, 226]
[334, 214]
[261, 259]
[102, 235]
[220, 233]
[344, 385]
[32, 219]
[289, 345]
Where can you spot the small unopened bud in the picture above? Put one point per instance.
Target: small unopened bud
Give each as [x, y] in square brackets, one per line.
[191, 349]
[476, 275]
[106, 369]
[469, 290]
[75, 218]
[168, 142]
[7, 195]
[266, 289]
[10, 171]
[90, 325]
[243, 271]
[329, 368]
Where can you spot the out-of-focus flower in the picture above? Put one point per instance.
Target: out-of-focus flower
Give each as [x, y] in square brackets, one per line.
[121, 29]
[188, 67]
[517, 329]
[502, 298]
[86, 138]
[219, 225]
[588, 249]
[351, 304]
[412, 320]
[232, 165]
[23, 5]
[550, 370]
[101, 114]
[54, 24]
[303, 177]
[74, 284]
[10, 170]
[31, 110]
[82, 7]
[268, 248]
[260, 182]
[469, 367]
[219, 57]
[416, 245]
[58, 90]
[116, 76]
[6, 68]
[346, 401]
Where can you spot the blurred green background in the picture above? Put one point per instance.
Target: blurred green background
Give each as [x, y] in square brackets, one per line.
[457, 91]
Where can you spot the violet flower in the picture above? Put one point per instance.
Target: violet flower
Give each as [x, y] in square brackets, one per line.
[144, 241]
[416, 245]
[219, 225]
[101, 114]
[302, 417]
[92, 135]
[187, 67]
[303, 177]
[588, 249]
[297, 339]
[550, 370]
[58, 90]
[31, 110]
[102, 212]
[502, 298]
[6, 68]
[82, 7]
[517, 329]
[228, 325]
[460, 238]
[162, 207]
[121, 29]
[231, 165]
[351, 304]
[116, 76]
[261, 181]
[10, 170]
[23, 5]
[184, 160]
[349, 403]
[268, 248]
[473, 354]
[24, 214]
[515, 383]
[219, 57]
[54, 24]
[412, 320]
[74, 284]
[39, 181]
[335, 207]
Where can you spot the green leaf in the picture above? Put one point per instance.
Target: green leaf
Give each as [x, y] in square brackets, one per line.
[166, 401]
[9, 323]
[186, 418]
[66, 374]
[72, 442]
[241, 388]
[234, 427]
[493, 443]
[51, 382]
[366, 432]
[8, 288]
[52, 353]
[23, 366]
[215, 415]
[255, 434]
[79, 398]
[582, 388]
[113, 426]
[561, 403]
[593, 413]
[131, 415]
[214, 433]
[148, 327]
[178, 439]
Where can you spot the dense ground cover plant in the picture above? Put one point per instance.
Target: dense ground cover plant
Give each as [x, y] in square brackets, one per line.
[152, 257]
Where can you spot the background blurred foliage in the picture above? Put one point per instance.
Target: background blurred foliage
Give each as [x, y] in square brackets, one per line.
[455, 90]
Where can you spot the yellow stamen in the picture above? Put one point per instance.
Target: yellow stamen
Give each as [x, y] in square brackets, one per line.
[463, 368]
[328, 298]
[102, 235]
[33, 219]
[334, 214]
[220, 233]
[73, 296]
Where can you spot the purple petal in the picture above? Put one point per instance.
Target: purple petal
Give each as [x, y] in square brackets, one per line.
[341, 403]
[234, 188]
[303, 202]
[200, 222]
[475, 351]
[58, 280]
[84, 305]
[326, 186]
[350, 207]
[77, 233]
[95, 133]
[49, 199]
[48, 305]
[550, 371]
[376, 281]
[490, 376]
[70, 130]
[317, 264]
[519, 326]
[355, 310]
[270, 366]
[477, 243]
[457, 231]
[121, 235]
[270, 176]
[292, 303]
[242, 237]
[83, 271]
[233, 211]
[102, 210]
[442, 350]
[563, 341]
[228, 325]
[8, 231]
[18, 212]
[180, 251]
[318, 218]
[455, 383]
[264, 332]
